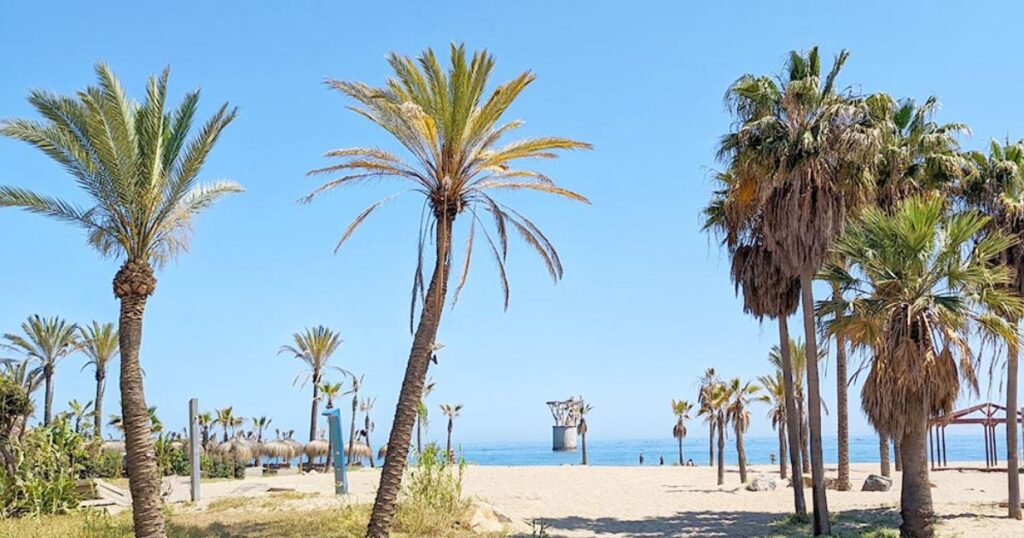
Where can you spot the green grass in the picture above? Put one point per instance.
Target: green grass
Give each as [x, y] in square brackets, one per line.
[880, 523]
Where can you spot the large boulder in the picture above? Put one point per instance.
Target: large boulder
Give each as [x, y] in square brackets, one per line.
[486, 518]
[876, 482]
[763, 482]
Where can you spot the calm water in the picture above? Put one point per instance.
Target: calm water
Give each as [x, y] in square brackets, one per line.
[863, 449]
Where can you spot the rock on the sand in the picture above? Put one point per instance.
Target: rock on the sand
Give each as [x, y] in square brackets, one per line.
[486, 518]
[763, 482]
[876, 482]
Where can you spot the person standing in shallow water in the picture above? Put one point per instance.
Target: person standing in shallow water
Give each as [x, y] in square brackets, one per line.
[661, 460]
[641, 458]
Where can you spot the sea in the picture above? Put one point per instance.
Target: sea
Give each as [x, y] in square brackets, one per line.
[863, 449]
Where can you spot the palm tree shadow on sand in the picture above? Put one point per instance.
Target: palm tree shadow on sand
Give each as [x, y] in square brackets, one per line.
[722, 524]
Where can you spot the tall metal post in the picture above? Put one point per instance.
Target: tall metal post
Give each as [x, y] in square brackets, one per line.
[337, 451]
[193, 444]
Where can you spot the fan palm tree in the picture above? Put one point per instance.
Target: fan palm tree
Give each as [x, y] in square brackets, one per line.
[366, 405]
[450, 127]
[740, 396]
[452, 412]
[809, 146]
[707, 383]
[581, 427]
[46, 341]
[314, 346]
[681, 409]
[80, 412]
[737, 218]
[100, 345]
[922, 297]
[774, 387]
[357, 385]
[423, 414]
[716, 412]
[996, 187]
[137, 165]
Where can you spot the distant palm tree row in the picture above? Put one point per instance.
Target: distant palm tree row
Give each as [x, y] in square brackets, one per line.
[920, 243]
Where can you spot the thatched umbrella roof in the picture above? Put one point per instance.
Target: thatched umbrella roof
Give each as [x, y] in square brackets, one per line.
[382, 452]
[296, 447]
[316, 448]
[113, 446]
[359, 450]
[238, 449]
[278, 449]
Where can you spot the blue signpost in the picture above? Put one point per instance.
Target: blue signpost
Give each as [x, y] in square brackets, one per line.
[337, 451]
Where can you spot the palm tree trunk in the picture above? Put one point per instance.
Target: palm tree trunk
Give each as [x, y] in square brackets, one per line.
[48, 403]
[412, 385]
[741, 455]
[373, 464]
[782, 450]
[352, 428]
[101, 383]
[721, 454]
[792, 419]
[1012, 465]
[883, 454]
[916, 494]
[313, 409]
[133, 285]
[711, 444]
[818, 497]
[897, 455]
[448, 451]
[584, 436]
[419, 435]
[843, 482]
[805, 446]
[681, 462]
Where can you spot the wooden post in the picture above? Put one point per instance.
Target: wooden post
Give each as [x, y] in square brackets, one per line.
[193, 443]
[945, 463]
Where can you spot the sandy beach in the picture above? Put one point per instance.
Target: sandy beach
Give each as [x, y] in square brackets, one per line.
[670, 501]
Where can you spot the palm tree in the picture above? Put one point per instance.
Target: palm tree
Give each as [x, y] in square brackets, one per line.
[452, 412]
[47, 341]
[775, 388]
[798, 360]
[314, 346]
[80, 412]
[809, 143]
[366, 405]
[740, 396]
[205, 421]
[137, 165]
[259, 425]
[357, 385]
[227, 420]
[423, 414]
[451, 129]
[581, 427]
[996, 187]
[330, 392]
[715, 412]
[707, 383]
[100, 345]
[737, 218]
[681, 409]
[923, 296]
[23, 374]
[883, 455]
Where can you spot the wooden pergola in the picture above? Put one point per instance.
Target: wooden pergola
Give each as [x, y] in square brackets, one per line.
[987, 415]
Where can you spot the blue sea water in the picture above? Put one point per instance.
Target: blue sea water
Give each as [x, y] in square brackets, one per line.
[863, 449]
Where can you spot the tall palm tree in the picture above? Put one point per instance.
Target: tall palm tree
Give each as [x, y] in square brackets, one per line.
[708, 381]
[740, 396]
[226, 419]
[716, 412]
[259, 425]
[681, 409]
[810, 144]
[737, 218]
[423, 414]
[330, 392]
[357, 385]
[996, 187]
[452, 412]
[799, 361]
[79, 412]
[366, 405]
[205, 421]
[774, 387]
[581, 427]
[138, 167]
[314, 346]
[100, 345]
[46, 341]
[884, 465]
[923, 296]
[444, 120]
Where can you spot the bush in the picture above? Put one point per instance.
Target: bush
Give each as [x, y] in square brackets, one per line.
[431, 502]
[102, 464]
[217, 466]
[47, 464]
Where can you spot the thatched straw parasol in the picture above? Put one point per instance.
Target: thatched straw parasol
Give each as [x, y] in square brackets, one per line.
[238, 449]
[277, 449]
[359, 450]
[316, 448]
[382, 452]
[295, 446]
[116, 447]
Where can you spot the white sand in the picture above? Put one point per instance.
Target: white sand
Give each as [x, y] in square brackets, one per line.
[678, 501]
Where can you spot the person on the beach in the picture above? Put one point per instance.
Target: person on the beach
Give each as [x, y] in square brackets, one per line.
[641, 458]
[661, 460]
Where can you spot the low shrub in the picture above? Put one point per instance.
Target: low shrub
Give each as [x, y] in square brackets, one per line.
[48, 461]
[431, 503]
[217, 466]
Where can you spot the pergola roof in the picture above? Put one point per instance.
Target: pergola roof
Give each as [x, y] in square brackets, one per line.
[985, 413]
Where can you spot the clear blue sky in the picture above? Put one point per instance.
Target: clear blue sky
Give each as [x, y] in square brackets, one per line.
[646, 303]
